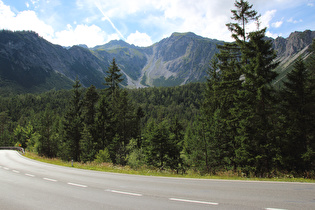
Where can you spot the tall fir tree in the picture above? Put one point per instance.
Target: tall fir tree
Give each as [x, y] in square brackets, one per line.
[103, 123]
[255, 105]
[47, 143]
[73, 123]
[90, 133]
[225, 79]
[113, 79]
[298, 100]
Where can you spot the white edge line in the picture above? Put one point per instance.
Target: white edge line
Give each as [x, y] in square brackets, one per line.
[274, 209]
[51, 180]
[77, 185]
[30, 175]
[125, 193]
[193, 201]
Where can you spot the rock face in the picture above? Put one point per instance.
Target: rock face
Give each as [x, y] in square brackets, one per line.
[296, 42]
[33, 64]
[30, 61]
[176, 60]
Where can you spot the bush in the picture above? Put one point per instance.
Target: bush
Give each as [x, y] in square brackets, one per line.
[103, 156]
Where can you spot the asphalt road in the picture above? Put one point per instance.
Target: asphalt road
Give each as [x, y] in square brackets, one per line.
[28, 184]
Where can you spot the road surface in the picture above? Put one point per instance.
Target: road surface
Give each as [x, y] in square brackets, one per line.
[28, 184]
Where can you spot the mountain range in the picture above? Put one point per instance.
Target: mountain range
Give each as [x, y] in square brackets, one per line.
[29, 63]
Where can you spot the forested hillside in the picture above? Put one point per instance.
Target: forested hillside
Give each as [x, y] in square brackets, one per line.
[239, 120]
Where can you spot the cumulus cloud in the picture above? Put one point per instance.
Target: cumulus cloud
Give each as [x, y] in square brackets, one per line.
[28, 20]
[154, 18]
[81, 34]
[25, 20]
[139, 39]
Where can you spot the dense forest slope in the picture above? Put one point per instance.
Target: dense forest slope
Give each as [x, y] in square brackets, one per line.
[28, 63]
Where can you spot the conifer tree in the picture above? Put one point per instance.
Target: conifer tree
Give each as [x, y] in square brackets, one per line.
[225, 79]
[297, 108]
[90, 134]
[73, 123]
[103, 121]
[113, 79]
[255, 105]
[243, 15]
[47, 144]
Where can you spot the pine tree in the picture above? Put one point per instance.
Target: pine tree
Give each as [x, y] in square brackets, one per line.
[225, 79]
[255, 105]
[243, 14]
[47, 144]
[113, 79]
[90, 133]
[157, 143]
[103, 121]
[73, 123]
[297, 108]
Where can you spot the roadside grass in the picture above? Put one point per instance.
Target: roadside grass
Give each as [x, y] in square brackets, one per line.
[150, 171]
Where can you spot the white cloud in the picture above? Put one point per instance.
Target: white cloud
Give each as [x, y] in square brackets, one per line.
[25, 20]
[81, 34]
[277, 24]
[269, 34]
[139, 39]
[291, 20]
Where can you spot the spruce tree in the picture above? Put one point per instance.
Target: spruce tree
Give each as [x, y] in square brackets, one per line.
[297, 105]
[225, 79]
[255, 105]
[73, 123]
[47, 144]
[89, 139]
[243, 15]
[113, 79]
[103, 121]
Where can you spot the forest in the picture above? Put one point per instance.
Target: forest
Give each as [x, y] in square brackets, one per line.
[235, 121]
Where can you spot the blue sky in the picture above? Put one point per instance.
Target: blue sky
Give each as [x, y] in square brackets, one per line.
[144, 22]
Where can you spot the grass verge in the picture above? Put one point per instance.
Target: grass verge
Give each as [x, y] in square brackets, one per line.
[149, 171]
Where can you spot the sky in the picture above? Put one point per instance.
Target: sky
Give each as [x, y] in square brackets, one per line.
[145, 22]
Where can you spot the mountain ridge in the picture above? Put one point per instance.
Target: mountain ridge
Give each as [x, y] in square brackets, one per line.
[34, 63]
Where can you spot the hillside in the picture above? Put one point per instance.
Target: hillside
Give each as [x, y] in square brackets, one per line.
[288, 50]
[28, 63]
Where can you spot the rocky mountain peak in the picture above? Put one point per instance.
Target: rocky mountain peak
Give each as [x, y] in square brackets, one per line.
[296, 42]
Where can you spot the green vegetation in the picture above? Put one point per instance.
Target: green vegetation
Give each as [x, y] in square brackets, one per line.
[236, 125]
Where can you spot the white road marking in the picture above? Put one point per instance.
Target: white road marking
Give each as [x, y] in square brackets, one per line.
[274, 209]
[77, 185]
[15, 171]
[5, 168]
[124, 193]
[30, 175]
[51, 180]
[193, 201]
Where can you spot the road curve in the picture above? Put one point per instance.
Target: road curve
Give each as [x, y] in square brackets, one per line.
[28, 184]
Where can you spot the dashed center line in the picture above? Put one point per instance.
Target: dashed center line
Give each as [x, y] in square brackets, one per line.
[5, 168]
[193, 201]
[274, 209]
[30, 175]
[77, 185]
[124, 193]
[15, 171]
[51, 180]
